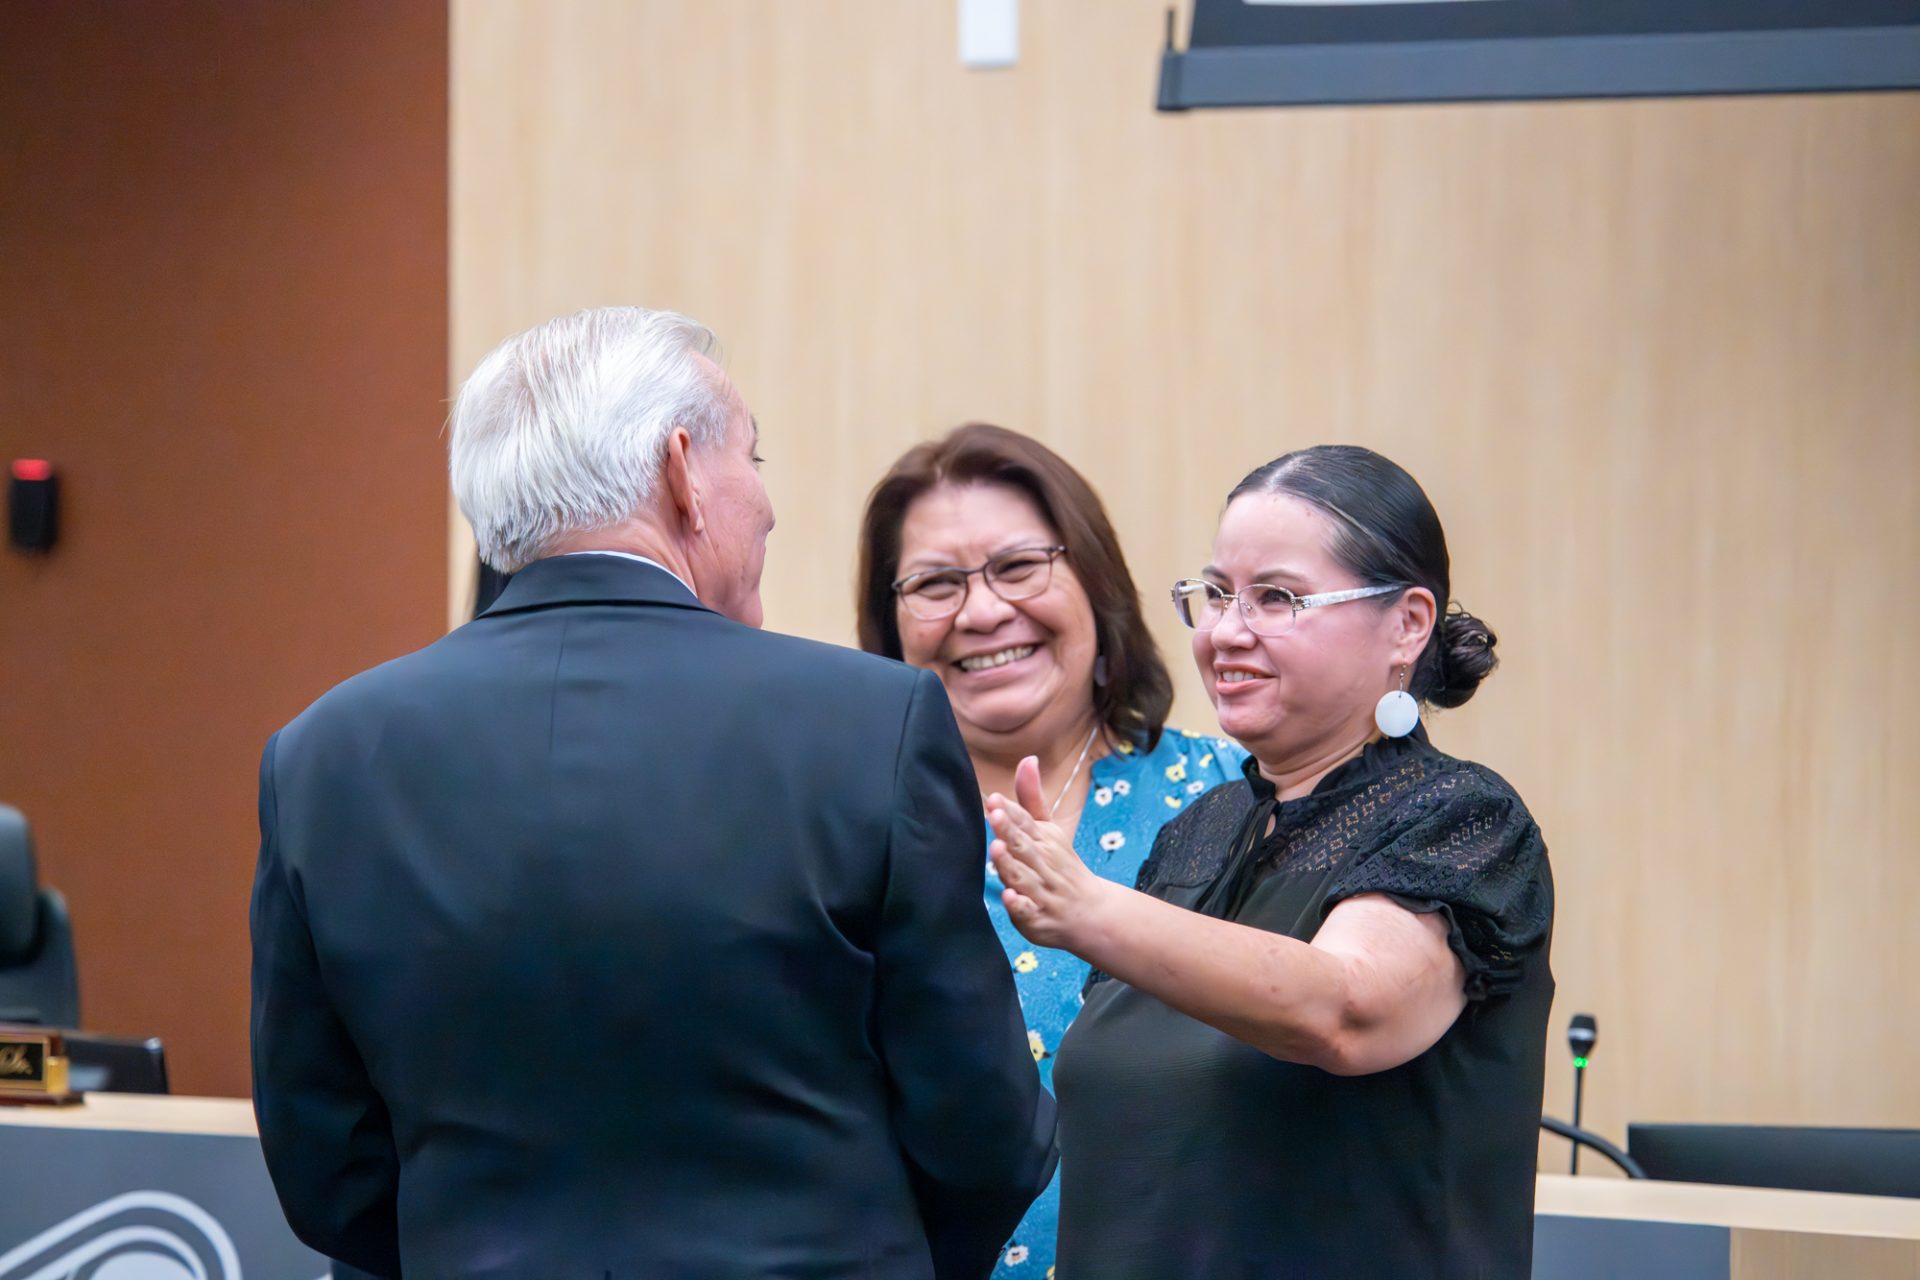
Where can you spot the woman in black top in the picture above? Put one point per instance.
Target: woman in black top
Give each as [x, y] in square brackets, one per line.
[1314, 1037]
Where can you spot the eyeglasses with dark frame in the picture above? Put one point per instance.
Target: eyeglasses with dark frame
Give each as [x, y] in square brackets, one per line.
[1019, 574]
[1268, 610]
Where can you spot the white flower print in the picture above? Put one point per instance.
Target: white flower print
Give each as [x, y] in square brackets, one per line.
[1123, 788]
[1016, 1254]
[1112, 840]
[1195, 787]
[1103, 796]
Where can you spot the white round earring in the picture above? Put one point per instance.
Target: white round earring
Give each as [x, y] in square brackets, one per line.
[1397, 713]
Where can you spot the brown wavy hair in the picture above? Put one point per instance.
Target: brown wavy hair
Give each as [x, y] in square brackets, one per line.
[1134, 702]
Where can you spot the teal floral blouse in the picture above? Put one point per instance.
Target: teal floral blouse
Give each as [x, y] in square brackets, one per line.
[1132, 795]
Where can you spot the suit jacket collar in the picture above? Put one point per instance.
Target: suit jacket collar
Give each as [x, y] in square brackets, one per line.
[589, 579]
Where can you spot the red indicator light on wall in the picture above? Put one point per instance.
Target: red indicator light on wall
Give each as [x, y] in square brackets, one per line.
[33, 506]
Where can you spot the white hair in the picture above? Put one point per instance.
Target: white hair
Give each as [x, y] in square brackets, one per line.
[563, 429]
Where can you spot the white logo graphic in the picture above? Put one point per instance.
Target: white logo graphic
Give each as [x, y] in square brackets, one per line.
[143, 1235]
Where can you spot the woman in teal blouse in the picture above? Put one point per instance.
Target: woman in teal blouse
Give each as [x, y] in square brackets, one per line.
[987, 559]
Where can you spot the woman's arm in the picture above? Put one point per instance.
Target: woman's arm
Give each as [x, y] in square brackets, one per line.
[1376, 987]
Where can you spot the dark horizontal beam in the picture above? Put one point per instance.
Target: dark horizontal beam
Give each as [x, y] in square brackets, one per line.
[1838, 59]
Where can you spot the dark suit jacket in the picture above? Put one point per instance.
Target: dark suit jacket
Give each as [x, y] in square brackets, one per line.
[608, 936]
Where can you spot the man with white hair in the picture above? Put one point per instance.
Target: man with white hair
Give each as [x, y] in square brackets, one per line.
[611, 936]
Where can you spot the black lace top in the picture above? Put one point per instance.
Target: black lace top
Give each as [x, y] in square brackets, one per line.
[1187, 1152]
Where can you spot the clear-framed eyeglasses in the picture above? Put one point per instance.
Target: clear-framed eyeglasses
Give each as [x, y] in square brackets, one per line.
[1267, 610]
[1019, 574]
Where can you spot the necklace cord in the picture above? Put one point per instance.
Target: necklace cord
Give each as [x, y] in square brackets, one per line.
[1068, 786]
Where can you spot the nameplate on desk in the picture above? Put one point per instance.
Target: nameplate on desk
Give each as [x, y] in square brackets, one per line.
[33, 1067]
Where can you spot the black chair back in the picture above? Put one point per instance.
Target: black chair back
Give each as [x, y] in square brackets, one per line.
[38, 980]
[1868, 1162]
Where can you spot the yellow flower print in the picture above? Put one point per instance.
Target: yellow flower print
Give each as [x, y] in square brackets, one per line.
[1126, 748]
[1026, 962]
[1036, 1044]
[1177, 772]
[1173, 802]
[1206, 759]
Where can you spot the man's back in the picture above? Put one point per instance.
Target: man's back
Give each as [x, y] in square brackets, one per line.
[608, 935]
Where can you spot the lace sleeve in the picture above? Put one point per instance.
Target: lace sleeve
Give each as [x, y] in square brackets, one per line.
[1471, 852]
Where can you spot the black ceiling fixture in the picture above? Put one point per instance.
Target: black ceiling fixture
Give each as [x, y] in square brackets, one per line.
[1256, 53]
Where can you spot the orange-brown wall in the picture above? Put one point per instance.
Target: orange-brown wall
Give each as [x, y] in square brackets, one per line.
[223, 301]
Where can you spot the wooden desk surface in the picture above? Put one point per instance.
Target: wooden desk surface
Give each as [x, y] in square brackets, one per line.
[142, 1113]
[1750, 1208]
[1755, 1208]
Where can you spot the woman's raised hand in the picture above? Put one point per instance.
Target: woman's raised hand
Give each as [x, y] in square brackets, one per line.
[1050, 894]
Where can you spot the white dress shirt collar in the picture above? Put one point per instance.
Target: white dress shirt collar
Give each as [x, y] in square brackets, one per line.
[628, 555]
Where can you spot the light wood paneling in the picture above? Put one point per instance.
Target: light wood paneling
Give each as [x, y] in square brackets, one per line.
[1658, 363]
[1784, 1255]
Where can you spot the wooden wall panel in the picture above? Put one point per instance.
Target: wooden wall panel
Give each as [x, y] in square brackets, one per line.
[1657, 362]
[1785, 1255]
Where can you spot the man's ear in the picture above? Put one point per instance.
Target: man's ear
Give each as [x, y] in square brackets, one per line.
[683, 489]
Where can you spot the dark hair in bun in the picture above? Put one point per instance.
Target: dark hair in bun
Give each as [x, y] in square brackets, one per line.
[1386, 532]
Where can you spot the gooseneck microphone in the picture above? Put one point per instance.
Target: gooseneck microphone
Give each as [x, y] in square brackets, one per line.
[1582, 1032]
